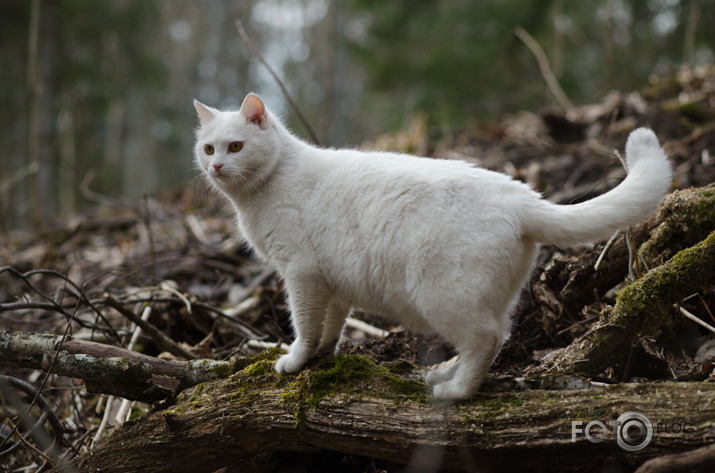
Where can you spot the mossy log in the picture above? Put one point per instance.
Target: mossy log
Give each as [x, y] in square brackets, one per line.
[349, 405]
[642, 309]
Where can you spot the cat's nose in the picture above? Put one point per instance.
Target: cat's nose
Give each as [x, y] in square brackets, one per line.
[218, 166]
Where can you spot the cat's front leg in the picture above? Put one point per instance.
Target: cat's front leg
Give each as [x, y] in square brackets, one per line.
[338, 310]
[308, 298]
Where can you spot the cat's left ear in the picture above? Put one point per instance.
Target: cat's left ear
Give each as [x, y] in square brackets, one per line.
[206, 113]
[254, 110]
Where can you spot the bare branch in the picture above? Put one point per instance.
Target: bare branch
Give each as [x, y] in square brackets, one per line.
[107, 369]
[162, 341]
[545, 69]
[287, 95]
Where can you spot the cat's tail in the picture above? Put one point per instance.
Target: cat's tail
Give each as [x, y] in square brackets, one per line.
[648, 180]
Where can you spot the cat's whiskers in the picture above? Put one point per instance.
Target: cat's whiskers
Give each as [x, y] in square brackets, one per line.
[242, 180]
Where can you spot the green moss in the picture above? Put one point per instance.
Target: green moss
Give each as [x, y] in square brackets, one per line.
[688, 217]
[492, 408]
[646, 303]
[347, 375]
[237, 365]
[597, 414]
[259, 368]
[499, 403]
[256, 373]
[223, 371]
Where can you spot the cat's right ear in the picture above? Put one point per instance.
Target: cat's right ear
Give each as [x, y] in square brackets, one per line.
[206, 113]
[254, 110]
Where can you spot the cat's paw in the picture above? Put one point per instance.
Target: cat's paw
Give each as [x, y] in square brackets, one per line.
[289, 364]
[437, 376]
[434, 377]
[328, 348]
[451, 391]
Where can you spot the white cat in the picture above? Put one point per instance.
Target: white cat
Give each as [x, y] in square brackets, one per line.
[439, 246]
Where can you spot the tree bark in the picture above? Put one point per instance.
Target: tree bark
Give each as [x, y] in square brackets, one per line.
[346, 404]
[107, 369]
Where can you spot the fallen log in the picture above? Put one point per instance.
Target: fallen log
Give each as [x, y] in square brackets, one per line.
[347, 404]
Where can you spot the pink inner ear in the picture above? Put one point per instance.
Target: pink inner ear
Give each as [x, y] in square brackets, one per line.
[254, 110]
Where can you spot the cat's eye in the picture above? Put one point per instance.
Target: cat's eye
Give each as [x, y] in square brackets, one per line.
[209, 149]
[235, 147]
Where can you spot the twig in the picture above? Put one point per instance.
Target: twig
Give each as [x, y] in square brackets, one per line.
[706, 306]
[152, 249]
[575, 324]
[29, 446]
[696, 319]
[38, 393]
[631, 252]
[257, 281]
[608, 245]
[290, 100]
[103, 424]
[244, 307]
[51, 304]
[92, 196]
[266, 345]
[126, 403]
[168, 287]
[621, 159]
[545, 68]
[17, 177]
[47, 412]
[162, 341]
[193, 223]
[246, 329]
[365, 327]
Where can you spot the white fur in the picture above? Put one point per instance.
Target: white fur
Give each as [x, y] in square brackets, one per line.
[439, 246]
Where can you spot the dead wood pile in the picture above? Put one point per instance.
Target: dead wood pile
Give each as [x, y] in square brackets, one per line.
[170, 264]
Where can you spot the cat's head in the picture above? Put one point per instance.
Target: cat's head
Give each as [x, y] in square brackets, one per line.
[236, 151]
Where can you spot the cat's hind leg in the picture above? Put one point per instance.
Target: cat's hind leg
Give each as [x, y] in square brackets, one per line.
[440, 375]
[472, 369]
[308, 298]
[338, 310]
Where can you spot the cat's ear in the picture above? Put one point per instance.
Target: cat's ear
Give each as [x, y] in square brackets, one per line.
[206, 113]
[254, 110]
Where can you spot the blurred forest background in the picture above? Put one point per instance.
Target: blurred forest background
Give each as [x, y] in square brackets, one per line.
[95, 96]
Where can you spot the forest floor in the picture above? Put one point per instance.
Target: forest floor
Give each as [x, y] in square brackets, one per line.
[177, 254]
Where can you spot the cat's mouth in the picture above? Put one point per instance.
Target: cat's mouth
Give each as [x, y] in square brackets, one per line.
[218, 175]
